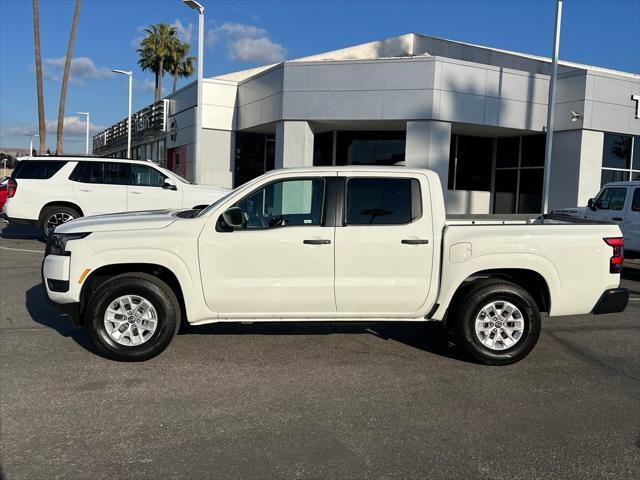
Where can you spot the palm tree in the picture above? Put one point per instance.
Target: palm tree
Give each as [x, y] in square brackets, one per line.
[154, 51]
[42, 128]
[179, 63]
[65, 77]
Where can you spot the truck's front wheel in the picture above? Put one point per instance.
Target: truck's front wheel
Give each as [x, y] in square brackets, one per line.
[132, 317]
[497, 323]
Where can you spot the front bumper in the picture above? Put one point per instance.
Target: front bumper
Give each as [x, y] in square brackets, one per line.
[70, 310]
[614, 300]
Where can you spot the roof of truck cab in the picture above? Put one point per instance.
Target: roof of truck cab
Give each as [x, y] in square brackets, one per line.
[628, 183]
[351, 168]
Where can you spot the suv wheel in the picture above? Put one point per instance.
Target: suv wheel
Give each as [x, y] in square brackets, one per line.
[132, 317]
[497, 323]
[56, 215]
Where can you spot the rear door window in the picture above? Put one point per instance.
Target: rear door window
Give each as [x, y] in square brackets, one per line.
[37, 169]
[635, 204]
[382, 201]
[109, 173]
[612, 199]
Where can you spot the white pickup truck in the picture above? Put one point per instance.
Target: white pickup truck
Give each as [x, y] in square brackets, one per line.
[330, 244]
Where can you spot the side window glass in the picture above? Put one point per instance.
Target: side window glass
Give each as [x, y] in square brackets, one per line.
[612, 199]
[144, 176]
[382, 201]
[285, 203]
[116, 173]
[635, 205]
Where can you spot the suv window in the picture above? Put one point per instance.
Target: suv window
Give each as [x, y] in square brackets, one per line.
[110, 173]
[284, 203]
[612, 199]
[382, 201]
[635, 204]
[37, 169]
[144, 176]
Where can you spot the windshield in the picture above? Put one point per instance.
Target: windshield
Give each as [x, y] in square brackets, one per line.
[174, 174]
[214, 204]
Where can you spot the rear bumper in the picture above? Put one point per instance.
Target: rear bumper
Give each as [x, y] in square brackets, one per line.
[612, 301]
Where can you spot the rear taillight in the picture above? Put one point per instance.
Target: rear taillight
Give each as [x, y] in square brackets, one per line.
[12, 186]
[615, 263]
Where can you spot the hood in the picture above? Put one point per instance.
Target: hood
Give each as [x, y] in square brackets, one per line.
[575, 211]
[120, 221]
[208, 189]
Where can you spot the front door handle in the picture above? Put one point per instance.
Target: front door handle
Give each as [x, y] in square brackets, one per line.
[617, 219]
[316, 242]
[414, 241]
[84, 190]
[136, 193]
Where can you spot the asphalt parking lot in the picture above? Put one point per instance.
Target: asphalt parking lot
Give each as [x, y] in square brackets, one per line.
[311, 401]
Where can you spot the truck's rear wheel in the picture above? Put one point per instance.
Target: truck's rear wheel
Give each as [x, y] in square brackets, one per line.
[497, 323]
[132, 317]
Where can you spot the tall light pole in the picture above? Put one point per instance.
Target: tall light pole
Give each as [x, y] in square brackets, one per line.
[130, 74]
[31, 135]
[551, 108]
[196, 6]
[86, 149]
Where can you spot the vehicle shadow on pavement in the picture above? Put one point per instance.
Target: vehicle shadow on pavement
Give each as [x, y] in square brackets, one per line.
[44, 314]
[425, 336]
[11, 231]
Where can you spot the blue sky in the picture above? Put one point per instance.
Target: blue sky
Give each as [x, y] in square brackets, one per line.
[242, 34]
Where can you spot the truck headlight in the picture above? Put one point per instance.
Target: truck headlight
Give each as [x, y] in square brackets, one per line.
[57, 244]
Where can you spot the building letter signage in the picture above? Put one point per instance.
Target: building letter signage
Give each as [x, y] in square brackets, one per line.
[637, 100]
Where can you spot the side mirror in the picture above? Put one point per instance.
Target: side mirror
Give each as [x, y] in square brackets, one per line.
[233, 217]
[169, 184]
[592, 204]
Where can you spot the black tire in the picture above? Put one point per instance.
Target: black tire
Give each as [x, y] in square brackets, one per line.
[147, 286]
[49, 212]
[469, 306]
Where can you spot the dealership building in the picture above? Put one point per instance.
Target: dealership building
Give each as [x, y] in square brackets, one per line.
[475, 115]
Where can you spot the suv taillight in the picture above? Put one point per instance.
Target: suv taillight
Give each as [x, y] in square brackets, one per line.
[12, 186]
[615, 263]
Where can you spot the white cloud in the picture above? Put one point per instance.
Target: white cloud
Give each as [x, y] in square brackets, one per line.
[185, 33]
[82, 69]
[74, 127]
[260, 49]
[246, 43]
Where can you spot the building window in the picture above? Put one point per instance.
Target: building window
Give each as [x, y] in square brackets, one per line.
[370, 148]
[470, 163]
[323, 149]
[519, 174]
[620, 158]
[255, 155]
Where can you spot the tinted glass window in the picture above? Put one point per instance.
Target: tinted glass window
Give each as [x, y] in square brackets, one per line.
[111, 173]
[145, 176]
[635, 164]
[323, 149]
[505, 191]
[530, 195]
[370, 148]
[507, 152]
[533, 150]
[616, 151]
[613, 176]
[382, 201]
[473, 166]
[279, 204]
[37, 169]
[635, 205]
[612, 199]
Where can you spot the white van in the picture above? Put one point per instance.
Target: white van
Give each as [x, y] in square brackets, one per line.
[617, 202]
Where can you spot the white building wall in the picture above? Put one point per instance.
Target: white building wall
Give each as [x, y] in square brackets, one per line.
[294, 144]
[427, 146]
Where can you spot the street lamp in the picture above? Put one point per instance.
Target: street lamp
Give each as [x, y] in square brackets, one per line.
[31, 135]
[200, 9]
[86, 149]
[130, 74]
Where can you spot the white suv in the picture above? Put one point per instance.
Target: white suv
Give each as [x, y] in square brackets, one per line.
[49, 191]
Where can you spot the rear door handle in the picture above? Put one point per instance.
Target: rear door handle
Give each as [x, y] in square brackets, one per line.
[84, 190]
[617, 219]
[316, 242]
[136, 193]
[414, 241]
